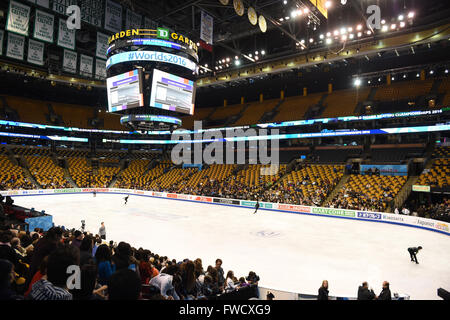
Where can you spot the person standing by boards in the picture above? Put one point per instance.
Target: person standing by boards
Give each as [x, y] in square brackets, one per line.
[102, 231]
[256, 206]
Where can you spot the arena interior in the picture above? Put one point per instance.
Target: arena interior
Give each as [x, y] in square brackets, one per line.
[327, 126]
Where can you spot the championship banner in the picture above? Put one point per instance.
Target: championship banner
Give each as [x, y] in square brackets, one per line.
[66, 37]
[61, 6]
[44, 26]
[86, 65]
[148, 23]
[133, 20]
[92, 12]
[18, 20]
[42, 3]
[206, 29]
[102, 45]
[70, 61]
[15, 46]
[100, 69]
[2, 35]
[35, 52]
[113, 16]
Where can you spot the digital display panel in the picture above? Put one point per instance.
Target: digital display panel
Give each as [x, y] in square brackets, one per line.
[125, 91]
[173, 93]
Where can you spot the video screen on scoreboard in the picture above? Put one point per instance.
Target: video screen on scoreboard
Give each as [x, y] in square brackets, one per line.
[125, 91]
[173, 93]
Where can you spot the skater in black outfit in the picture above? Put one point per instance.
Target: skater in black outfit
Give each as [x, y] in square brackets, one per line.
[126, 199]
[412, 252]
[256, 206]
[94, 193]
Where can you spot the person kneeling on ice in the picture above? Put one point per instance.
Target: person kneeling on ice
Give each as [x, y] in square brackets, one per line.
[412, 253]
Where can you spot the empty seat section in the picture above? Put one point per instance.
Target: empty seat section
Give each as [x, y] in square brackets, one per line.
[294, 108]
[343, 103]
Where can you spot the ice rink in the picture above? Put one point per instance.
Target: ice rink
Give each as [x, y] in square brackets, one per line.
[290, 252]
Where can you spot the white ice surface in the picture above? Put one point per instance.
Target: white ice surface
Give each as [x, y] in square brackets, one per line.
[290, 252]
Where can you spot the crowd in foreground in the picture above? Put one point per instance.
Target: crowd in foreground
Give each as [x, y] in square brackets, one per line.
[34, 265]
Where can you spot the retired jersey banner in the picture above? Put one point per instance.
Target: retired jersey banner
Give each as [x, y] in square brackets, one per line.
[100, 69]
[44, 26]
[92, 12]
[133, 20]
[2, 35]
[206, 29]
[113, 16]
[70, 61]
[66, 37]
[102, 45]
[18, 18]
[15, 46]
[61, 6]
[35, 52]
[86, 65]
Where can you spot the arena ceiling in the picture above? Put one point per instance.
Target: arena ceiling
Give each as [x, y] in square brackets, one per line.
[235, 36]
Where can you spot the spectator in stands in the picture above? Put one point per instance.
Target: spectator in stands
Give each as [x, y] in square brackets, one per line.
[167, 281]
[385, 293]
[124, 284]
[198, 268]
[104, 264]
[40, 274]
[86, 250]
[252, 278]
[229, 282]
[188, 288]
[55, 286]
[6, 250]
[7, 277]
[88, 284]
[78, 237]
[396, 211]
[364, 293]
[220, 272]
[323, 291]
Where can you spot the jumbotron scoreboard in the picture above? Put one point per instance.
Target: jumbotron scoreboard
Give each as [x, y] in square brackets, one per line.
[151, 78]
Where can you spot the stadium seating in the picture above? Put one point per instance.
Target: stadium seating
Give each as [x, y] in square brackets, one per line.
[404, 90]
[311, 184]
[255, 111]
[438, 176]
[343, 103]
[133, 177]
[294, 108]
[46, 173]
[369, 192]
[12, 176]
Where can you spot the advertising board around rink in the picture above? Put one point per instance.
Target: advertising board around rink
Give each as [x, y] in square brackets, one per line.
[403, 220]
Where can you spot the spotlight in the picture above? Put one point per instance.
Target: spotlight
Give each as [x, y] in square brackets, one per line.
[306, 10]
[321, 36]
[285, 2]
[359, 34]
[359, 27]
[401, 17]
[329, 41]
[328, 4]
[411, 15]
[311, 40]
[357, 82]
[384, 29]
[402, 24]
[263, 52]
[393, 26]
[237, 62]
[431, 71]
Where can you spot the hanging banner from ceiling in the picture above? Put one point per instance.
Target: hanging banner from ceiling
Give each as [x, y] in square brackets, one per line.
[100, 69]
[35, 52]
[2, 35]
[102, 45]
[133, 20]
[60, 6]
[70, 61]
[15, 46]
[86, 65]
[92, 12]
[207, 28]
[66, 37]
[44, 26]
[113, 16]
[18, 20]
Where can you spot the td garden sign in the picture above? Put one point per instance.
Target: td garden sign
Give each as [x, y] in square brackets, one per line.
[160, 33]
